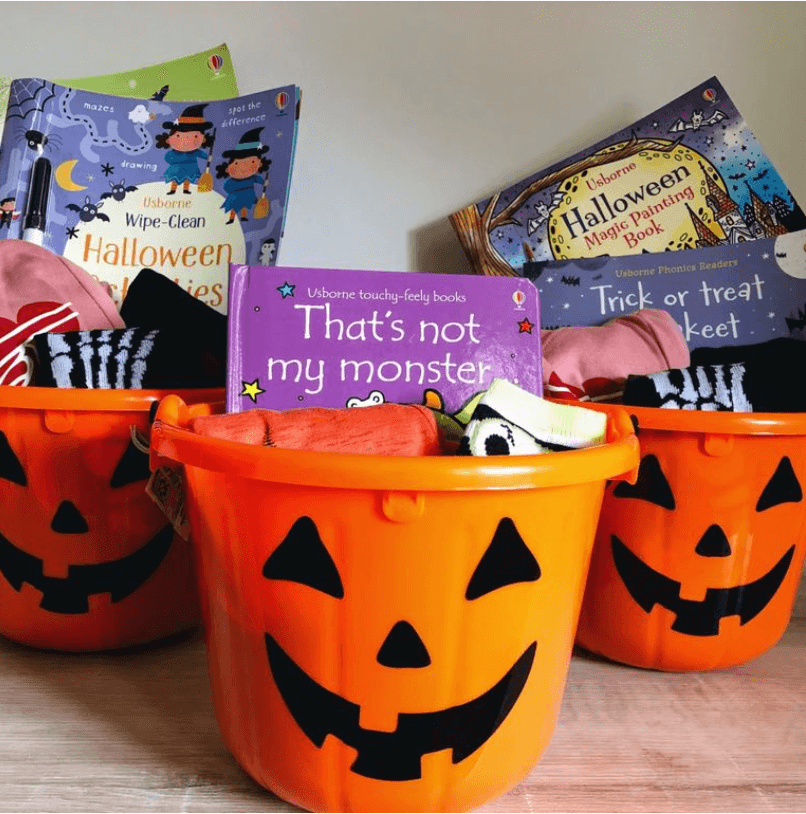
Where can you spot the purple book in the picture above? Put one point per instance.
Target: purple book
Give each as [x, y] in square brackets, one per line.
[302, 337]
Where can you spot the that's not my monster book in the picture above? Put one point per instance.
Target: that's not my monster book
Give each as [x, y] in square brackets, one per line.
[303, 337]
[691, 174]
[121, 184]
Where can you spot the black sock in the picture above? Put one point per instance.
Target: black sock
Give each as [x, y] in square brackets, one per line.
[793, 350]
[125, 358]
[154, 301]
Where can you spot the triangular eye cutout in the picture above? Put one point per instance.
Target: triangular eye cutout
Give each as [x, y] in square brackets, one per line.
[783, 487]
[651, 485]
[507, 560]
[10, 466]
[303, 558]
[132, 467]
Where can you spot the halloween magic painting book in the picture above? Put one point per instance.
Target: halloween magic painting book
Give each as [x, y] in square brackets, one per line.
[689, 175]
[184, 188]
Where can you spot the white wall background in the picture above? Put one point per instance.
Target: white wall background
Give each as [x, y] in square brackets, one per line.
[413, 110]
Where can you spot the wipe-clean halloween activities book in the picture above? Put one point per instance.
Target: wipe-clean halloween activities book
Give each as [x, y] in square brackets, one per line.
[305, 337]
[185, 188]
[690, 174]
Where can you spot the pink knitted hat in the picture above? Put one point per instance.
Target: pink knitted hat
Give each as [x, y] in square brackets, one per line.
[41, 292]
[591, 362]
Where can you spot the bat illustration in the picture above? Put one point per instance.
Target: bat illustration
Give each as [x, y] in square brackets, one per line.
[570, 280]
[160, 94]
[797, 323]
[543, 212]
[737, 176]
[598, 277]
[697, 121]
[761, 174]
[118, 191]
[88, 211]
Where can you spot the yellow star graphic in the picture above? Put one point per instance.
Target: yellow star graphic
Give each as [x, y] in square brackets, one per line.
[252, 389]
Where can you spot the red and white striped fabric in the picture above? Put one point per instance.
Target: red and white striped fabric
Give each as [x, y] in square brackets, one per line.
[41, 292]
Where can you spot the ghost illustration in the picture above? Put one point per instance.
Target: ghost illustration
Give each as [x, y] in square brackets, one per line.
[267, 250]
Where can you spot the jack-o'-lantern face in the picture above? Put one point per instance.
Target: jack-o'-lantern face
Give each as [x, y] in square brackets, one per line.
[649, 587]
[396, 755]
[81, 542]
[119, 578]
[696, 564]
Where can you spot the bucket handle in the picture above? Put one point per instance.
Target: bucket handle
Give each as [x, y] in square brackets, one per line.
[173, 411]
[621, 428]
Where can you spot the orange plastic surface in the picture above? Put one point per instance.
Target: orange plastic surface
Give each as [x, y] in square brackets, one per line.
[76, 570]
[310, 695]
[702, 575]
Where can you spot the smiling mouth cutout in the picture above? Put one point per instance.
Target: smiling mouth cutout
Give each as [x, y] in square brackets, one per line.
[396, 755]
[649, 588]
[70, 594]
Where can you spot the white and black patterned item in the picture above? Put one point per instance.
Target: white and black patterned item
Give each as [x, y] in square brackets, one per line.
[128, 358]
[762, 385]
[511, 421]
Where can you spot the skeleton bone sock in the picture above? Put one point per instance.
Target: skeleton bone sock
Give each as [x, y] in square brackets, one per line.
[512, 421]
[125, 358]
[748, 387]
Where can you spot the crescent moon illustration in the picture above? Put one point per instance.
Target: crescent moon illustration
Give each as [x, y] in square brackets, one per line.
[63, 178]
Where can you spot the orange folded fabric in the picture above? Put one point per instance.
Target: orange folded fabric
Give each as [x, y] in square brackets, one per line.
[384, 429]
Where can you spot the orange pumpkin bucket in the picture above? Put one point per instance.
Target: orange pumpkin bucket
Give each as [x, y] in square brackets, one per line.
[696, 565]
[388, 633]
[87, 560]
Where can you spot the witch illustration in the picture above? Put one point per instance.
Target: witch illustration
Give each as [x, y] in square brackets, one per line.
[184, 141]
[244, 163]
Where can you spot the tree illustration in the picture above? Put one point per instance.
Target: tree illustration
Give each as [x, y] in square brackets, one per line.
[474, 227]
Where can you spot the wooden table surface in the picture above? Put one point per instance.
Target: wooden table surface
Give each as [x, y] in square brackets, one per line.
[135, 732]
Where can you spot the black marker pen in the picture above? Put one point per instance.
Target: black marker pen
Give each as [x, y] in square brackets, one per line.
[33, 227]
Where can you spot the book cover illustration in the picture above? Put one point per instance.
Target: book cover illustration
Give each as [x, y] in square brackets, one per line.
[203, 76]
[737, 294]
[691, 174]
[179, 187]
[302, 337]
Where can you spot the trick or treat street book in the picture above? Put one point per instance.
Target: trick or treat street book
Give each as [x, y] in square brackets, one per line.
[118, 184]
[303, 337]
[737, 294]
[203, 76]
[688, 175]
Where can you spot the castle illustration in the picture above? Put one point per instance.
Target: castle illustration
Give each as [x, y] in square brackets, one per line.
[759, 219]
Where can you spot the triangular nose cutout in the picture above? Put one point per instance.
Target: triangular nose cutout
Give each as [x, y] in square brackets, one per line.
[713, 543]
[403, 648]
[69, 520]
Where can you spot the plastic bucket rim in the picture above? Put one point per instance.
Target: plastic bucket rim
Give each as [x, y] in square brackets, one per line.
[612, 460]
[712, 422]
[57, 399]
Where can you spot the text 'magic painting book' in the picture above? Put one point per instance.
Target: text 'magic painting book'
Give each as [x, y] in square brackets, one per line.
[726, 295]
[181, 187]
[688, 175]
[301, 337]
